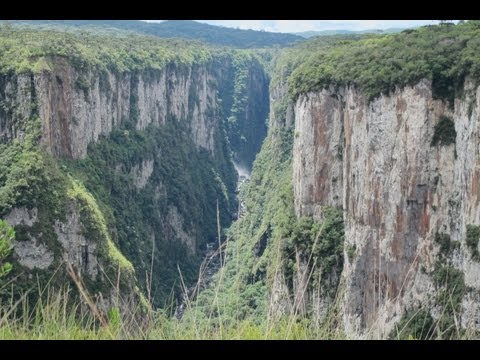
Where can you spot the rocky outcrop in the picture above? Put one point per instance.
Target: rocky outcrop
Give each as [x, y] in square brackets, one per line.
[76, 107]
[397, 189]
[77, 249]
[317, 153]
[22, 216]
[32, 255]
[176, 223]
[141, 173]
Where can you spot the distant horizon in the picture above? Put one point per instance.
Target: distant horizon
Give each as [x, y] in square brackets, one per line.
[296, 26]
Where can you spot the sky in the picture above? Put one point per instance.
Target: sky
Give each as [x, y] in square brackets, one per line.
[290, 26]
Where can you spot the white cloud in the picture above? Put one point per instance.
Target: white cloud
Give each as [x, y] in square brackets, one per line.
[318, 25]
[290, 26]
[240, 24]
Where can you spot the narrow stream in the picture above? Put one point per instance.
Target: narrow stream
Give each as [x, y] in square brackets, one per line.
[211, 263]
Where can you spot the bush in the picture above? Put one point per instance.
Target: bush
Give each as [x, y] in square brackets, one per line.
[451, 288]
[416, 324]
[444, 132]
[7, 235]
[473, 236]
[445, 243]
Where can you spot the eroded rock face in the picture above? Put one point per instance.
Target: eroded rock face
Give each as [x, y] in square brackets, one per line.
[317, 153]
[176, 223]
[31, 254]
[141, 173]
[77, 250]
[22, 216]
[77, 107]
[397, 191]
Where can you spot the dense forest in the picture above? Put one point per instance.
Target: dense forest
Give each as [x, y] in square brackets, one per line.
[177, 29]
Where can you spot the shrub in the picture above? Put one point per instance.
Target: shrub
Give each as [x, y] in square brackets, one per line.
[445, 244]
[473, 236]
[444, 132]
[416, 324]
[7, 235]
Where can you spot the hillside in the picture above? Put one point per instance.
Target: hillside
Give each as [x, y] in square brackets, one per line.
[309, 34]
[188, 29]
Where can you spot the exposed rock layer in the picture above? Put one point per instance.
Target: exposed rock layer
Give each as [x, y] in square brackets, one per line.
[375, 160]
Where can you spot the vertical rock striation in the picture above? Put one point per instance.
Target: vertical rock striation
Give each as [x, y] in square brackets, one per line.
[397, 189]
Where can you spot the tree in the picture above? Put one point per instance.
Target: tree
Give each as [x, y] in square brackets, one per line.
[7, 235]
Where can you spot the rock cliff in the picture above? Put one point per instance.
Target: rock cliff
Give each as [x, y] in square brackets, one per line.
[400, 191]
[78, 106]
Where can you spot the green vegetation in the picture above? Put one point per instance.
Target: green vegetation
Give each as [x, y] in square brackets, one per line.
[445, 244]
[248, 107]
[351, 251]
[25, 172]
[376, 64]
[175, 29]
[55, 316]
[451, 287]
[7, 235]
[305, 52]
[320, 243]
[414, 324]
[444, 132]
[240, 292]
[184, 179]
[95, 227]
[24, 51]
[31, 179]
[473, 236]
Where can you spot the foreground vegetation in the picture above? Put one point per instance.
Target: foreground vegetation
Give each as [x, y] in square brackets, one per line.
[53, 319]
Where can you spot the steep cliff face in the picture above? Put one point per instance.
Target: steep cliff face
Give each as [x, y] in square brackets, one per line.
[78, 106]
[403, 195]
[151, 147]
[246, 105]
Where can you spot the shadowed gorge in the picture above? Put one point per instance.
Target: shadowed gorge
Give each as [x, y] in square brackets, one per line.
[326, 189]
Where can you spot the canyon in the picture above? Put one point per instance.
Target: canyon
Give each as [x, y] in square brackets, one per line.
[354, 209]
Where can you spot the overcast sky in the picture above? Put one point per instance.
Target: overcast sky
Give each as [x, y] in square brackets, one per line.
[308, 25]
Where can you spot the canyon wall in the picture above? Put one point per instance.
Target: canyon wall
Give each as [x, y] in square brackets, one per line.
[400, 192]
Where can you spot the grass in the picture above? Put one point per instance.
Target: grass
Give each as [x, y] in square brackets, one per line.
[71, 313]
[59, 314]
